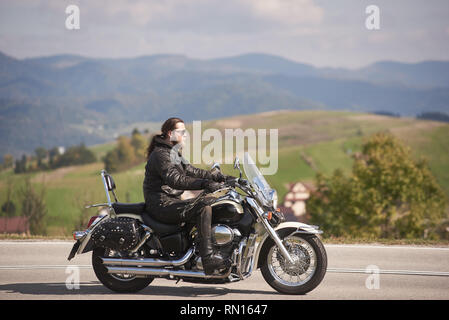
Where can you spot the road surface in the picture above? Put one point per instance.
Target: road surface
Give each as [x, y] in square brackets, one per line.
[40, 270]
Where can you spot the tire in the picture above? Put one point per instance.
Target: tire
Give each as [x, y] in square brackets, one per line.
[115, 282]
[271, 273]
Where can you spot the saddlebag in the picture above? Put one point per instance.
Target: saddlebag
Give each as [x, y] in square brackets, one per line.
[118, 234]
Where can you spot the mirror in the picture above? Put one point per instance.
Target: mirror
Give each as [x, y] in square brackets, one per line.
[216, 165]
[237, 163]
[110, 182]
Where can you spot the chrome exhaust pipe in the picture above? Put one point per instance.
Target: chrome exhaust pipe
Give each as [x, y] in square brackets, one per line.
[147, 262]
[166, 272]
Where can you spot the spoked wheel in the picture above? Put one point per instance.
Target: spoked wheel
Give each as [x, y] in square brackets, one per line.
[308, 268]
[123, 283]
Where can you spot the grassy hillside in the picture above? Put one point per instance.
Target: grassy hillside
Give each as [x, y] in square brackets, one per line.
[309, 141]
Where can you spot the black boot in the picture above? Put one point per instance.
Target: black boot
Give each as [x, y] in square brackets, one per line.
[210, 260]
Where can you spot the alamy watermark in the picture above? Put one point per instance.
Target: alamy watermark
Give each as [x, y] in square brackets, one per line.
[72, 22]
[373, 280]
[261, 144]
[372, 22]
[72, 282]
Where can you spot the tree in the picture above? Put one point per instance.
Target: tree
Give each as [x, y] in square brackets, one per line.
[125, 150]
[138, 142]
[435, 116]
[135, 131]
[75, 155]
[21, 165]
[53, 154]
[8, 161]
[388, 195]
[33, 207]
[9, 208]
[111, 161]
[41, 154]
[128, 152]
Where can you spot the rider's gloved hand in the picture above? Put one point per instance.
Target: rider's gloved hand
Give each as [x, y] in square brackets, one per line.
[230, 180]
[211, 186]
[217, 176]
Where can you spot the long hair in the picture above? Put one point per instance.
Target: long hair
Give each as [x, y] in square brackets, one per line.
[168, 125]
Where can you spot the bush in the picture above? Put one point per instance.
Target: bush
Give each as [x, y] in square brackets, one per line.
[9, 209]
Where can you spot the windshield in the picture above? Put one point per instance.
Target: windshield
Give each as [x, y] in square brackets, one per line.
[255, 177]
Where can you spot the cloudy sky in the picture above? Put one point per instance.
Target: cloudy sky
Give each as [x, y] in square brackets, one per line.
[319, 32]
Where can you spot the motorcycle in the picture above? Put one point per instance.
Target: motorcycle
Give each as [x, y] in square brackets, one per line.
[130, 248]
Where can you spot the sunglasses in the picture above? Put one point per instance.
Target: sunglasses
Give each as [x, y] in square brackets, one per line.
[181, 132]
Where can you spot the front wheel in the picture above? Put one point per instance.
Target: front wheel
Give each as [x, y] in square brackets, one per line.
[123, 283]
[308, 269]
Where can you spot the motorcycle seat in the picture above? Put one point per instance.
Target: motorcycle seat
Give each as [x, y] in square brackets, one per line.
[134, 208]
[139, 208]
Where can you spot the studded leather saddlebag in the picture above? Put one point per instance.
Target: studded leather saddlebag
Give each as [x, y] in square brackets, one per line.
[119, 234]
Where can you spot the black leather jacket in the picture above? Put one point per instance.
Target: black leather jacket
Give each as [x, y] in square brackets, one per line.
[168, 174]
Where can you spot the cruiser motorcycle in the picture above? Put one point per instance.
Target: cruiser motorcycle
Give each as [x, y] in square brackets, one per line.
[130, 248]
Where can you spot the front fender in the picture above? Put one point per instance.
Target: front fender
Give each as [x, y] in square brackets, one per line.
[290, 228]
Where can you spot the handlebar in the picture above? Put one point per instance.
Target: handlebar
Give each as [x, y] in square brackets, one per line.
[231, 181]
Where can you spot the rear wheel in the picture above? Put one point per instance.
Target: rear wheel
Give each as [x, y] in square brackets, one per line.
[308, 269]
[123, 283]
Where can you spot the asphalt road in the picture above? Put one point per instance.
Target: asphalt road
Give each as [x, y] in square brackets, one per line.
[40, 270]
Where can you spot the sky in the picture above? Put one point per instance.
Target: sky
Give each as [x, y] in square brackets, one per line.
[324, 33]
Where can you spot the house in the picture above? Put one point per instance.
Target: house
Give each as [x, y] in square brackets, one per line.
[14, 225]
[294, 206]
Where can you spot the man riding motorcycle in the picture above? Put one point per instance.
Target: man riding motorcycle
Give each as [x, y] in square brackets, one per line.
[167, 175]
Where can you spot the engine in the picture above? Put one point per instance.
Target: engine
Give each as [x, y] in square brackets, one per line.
[225, 239]
[223, 235]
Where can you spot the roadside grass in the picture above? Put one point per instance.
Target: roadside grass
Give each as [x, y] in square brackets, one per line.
[25, 237]
[383, 241]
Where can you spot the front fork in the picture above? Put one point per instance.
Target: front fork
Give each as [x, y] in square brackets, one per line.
[273, 234]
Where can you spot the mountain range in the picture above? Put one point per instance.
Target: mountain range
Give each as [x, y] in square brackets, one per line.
[63, 100]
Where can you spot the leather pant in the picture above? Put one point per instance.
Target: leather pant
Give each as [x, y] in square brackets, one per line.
[202, 212]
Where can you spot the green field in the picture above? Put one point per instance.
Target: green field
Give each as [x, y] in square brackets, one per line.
[309, 141]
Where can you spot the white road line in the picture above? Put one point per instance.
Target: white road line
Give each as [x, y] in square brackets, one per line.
[331, 270]
[37, 242]
[367, 246]
[347, 246]
[33, 267]
[396, 272]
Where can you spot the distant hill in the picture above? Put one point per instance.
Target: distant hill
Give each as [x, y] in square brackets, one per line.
[68, 99]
